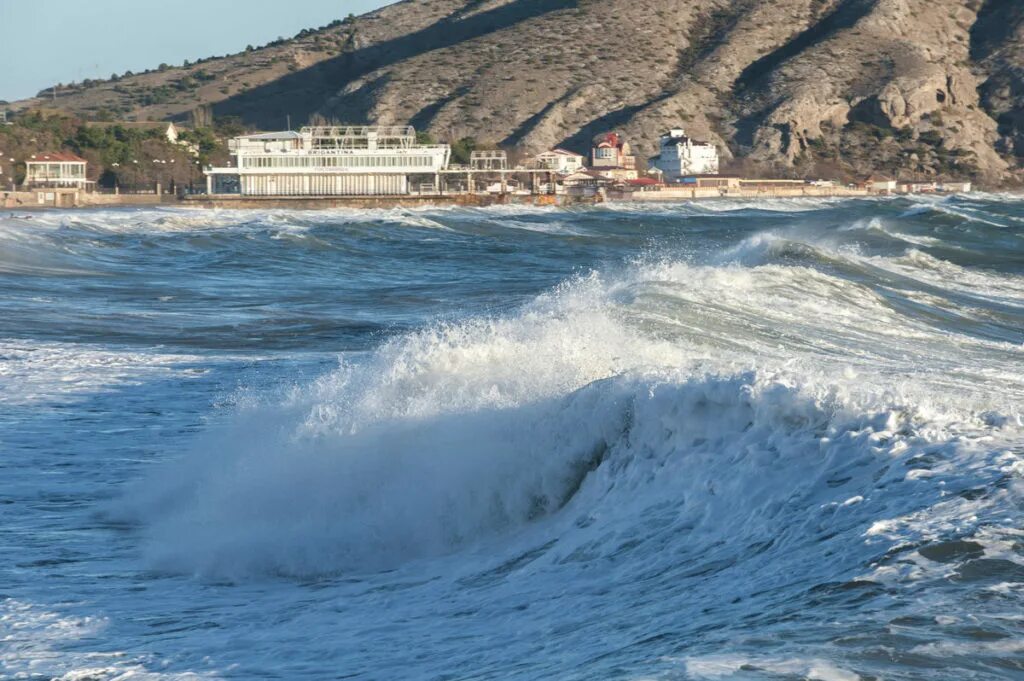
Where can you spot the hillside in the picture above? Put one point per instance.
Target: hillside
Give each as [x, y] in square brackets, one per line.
[919, 87]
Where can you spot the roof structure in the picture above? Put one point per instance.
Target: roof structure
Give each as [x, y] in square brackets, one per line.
[562, 152]
[582, 175]
[56, 157]
[609, 139]
[285, 135]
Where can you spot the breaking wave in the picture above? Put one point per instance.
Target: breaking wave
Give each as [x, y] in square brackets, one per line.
[726, 407]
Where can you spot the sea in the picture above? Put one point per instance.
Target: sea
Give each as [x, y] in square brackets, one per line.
[759, 440]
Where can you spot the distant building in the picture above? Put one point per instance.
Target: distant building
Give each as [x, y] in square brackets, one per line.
[879, 184]
[612, 156]
[585, 183]
[559, 161]
[643, 184]
[955, 187]
[328, 161]
[3, 117]
[916, 187]
[681, 156]
[713, 181]
[57, 169]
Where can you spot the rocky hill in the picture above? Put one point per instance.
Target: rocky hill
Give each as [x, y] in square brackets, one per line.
[918, 87]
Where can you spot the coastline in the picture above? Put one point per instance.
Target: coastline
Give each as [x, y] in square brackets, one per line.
[83, 201]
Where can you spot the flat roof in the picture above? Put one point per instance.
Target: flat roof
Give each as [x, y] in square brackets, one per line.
[284, 135]
[56, 157]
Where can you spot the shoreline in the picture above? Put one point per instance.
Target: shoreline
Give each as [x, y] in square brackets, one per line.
[304, 203]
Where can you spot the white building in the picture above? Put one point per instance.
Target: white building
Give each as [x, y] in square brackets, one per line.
[880, 184]
[328, 161]
[56, 169]
[559, 161]
[955, 187]
[681, 156]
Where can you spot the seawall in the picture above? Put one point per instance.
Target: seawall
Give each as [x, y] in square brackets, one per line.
[230, 201]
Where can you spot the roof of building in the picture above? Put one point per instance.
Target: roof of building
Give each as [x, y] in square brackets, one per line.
[643, 182]
[561, 152]
[609, 139]
[56, 157]
[587, 174]
[284, 135]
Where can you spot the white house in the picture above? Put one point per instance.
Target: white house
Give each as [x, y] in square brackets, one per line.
[955, 187]
[559, 161]
[56, 169]
[681, 156]
[879, 184]
[329, 161]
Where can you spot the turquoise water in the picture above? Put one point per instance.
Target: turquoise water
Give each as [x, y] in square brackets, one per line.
[726, 440]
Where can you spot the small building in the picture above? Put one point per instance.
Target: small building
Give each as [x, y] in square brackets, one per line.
[681, 156]
[711, 181]
[585, 183]
[771, 184]
[642, 184]
[612, 156]
[955, 187]
[879, 184]
[56, 169]
[329, 161]
[560, 161]
[916, 187]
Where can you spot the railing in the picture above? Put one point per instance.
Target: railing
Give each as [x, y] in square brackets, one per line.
[350, 151]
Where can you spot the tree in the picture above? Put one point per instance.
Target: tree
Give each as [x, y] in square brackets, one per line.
[462, 149]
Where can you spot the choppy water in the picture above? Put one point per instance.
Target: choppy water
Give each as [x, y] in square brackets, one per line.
[722, 441]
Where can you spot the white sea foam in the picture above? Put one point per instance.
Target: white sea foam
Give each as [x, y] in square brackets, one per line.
[34, 644]
[35, 372]
[451, 435]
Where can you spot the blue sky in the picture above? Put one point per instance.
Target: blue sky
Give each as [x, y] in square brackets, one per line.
[43, 42]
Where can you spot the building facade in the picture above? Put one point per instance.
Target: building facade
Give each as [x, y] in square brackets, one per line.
[328, 161]
[681, 156]
[559, 161]
[56, 169]
[612, 156]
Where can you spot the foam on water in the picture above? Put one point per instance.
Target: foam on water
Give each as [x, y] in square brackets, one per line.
[58, 372]
[461, 431]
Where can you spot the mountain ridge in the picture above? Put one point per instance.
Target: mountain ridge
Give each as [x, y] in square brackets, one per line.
[916, 88]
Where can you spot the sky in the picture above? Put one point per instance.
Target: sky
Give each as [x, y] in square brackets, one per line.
[45, 42]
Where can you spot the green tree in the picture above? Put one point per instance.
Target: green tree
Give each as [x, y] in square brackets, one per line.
[462, 149]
